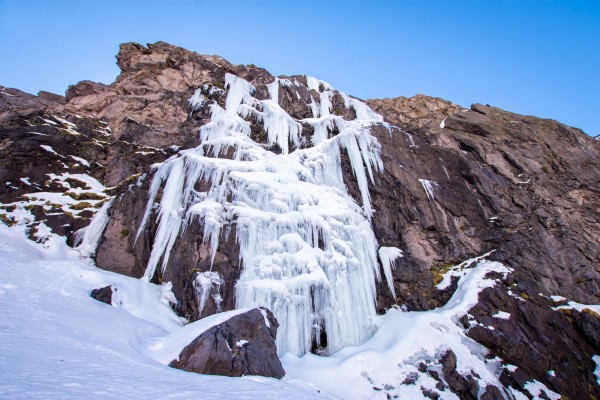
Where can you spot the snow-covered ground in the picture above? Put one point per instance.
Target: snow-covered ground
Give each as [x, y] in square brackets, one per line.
[57, 342]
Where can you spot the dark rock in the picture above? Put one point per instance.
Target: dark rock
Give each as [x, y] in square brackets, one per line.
[243, 345]
[103, 294]
[53, 97]
[589, 323]
[463, 387]
[118, 250]
[537, 339]
[84, 88]
[430, 394]
[492, 393]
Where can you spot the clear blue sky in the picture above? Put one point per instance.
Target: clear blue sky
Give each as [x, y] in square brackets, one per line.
[532, 57]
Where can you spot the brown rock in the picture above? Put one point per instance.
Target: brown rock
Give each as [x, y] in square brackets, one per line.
[103, 294]
[243, 345]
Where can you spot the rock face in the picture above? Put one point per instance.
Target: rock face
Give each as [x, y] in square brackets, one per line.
[243, 345]
[456, 183]
[522, 186]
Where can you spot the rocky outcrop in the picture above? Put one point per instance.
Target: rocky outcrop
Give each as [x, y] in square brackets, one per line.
[499, 182]
[530, 334]
[416, 111]
[243, 345]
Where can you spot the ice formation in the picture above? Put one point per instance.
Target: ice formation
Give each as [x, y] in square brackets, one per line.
[204, 282]
[388, 257]
[307, 250]
[428, 187]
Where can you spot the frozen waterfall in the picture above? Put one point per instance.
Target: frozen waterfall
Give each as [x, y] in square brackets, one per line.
[307, 249]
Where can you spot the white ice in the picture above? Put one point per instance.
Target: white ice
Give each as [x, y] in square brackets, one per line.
[403, 340]
[428, 187]
[307, 250]
[388, 257]
[89, 237]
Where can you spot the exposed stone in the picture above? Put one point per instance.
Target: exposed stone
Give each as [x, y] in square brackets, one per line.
[243, 345]
[103, 294]
[53, 97]
[537, 339]
[589, 323]
[463, 387]
[84, 88]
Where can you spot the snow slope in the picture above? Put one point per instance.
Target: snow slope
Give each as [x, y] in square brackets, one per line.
[57, 342]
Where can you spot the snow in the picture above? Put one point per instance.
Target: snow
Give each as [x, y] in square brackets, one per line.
[596, 359]
[2, 91]
[578, 306]
[307, 250]
[502, 315]
[93, 185]
[67, 201]
[459, 270]
[536, 389]
[49, 149]
[402, 341]
[83, 348]
[82, 161]
[167, 348]
[57, 342]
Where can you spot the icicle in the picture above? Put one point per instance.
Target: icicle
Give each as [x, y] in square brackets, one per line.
[204, 282]
[307, 249]
[388, 257]
[273, 89]
[240, 92]
[89, 237]
[314, 107]
[428, 187]
[197, 100]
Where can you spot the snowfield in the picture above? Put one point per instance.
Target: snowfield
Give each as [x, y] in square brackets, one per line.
[58, 342]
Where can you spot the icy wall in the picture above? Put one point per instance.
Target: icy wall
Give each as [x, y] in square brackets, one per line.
[307, 250]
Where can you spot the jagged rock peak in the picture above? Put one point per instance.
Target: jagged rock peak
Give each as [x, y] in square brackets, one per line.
[416, 109]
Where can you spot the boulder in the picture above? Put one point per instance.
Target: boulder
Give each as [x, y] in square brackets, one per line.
[243, 345]
[103, 294]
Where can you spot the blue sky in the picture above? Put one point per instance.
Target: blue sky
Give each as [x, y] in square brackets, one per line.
[532, 57]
